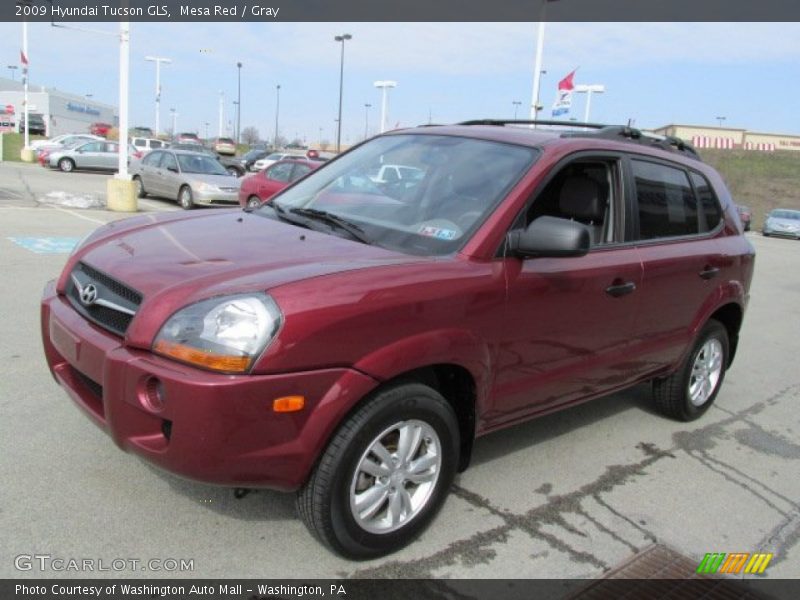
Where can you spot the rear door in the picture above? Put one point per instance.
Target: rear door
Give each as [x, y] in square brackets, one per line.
[150, 172]
[90, 156]
[677, 220]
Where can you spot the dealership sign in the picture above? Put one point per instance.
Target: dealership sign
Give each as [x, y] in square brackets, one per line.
[82, 108]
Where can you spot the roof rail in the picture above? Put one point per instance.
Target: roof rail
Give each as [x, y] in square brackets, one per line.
[502, 122]
[637, 136]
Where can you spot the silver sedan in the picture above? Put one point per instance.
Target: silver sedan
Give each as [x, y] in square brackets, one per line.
[96, 155]
[189, 177]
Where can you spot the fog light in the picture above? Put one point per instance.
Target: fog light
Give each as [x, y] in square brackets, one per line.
[154, 394]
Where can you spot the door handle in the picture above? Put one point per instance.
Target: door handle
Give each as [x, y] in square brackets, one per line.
[620, 288]
[709, 272]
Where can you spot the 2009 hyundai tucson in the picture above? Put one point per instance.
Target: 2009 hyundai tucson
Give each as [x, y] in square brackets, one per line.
[352, 338]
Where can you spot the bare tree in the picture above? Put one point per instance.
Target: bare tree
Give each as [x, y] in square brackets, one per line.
[250, 135]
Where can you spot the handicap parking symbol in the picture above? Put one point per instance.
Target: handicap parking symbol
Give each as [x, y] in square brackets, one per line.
[47, 245]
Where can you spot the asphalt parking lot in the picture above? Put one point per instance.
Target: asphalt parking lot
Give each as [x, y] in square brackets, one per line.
[570, 495]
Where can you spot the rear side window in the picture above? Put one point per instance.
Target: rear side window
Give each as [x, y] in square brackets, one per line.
[710, 212]
[667, 205]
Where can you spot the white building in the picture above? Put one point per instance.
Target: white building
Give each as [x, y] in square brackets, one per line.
[62, 112]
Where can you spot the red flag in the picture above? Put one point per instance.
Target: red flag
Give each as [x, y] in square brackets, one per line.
[566, 83]
[22, 58]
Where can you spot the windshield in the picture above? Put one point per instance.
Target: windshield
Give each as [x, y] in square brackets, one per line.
[437, 192]
[786, 214]
[199, 163]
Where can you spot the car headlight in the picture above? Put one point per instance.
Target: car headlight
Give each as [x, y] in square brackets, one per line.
[222, 334]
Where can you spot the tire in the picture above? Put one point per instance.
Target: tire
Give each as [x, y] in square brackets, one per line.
[67, 165]
[140, 193]
[185, 198]
[691, 390]
[234, 171]
[253, 202]
[400, 509]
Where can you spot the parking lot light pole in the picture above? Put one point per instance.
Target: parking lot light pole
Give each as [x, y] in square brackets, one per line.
[277, 110]
[239, 104]
[221, 112]
[595, 88]
[383, 86]
[13, 69]
[720, 120]
[517, 104]
[537, 67]
[158, 60]
[342, 39]
[366, 120]
[174, 122]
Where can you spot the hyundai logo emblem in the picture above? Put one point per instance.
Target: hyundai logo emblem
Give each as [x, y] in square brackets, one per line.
[88, 295]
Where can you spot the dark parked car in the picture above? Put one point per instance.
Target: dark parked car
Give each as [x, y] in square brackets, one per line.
[232, 165]
[350, 339]
[36, 123]
[745, 216]
[260, 187]
[782, 222]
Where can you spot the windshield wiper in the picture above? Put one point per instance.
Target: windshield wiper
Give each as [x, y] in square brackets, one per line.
[355, 231]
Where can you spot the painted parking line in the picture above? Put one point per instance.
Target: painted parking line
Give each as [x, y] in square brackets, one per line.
[47, 245]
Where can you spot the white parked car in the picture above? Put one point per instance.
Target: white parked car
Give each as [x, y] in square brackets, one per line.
[144, 145]
[263, 163]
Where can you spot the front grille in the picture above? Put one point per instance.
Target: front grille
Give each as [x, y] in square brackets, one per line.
[91, 384]
[109, 290]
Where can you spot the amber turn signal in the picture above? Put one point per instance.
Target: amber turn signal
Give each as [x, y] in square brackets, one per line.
[288, 404]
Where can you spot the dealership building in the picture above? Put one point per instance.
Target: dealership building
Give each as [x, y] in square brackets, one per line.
[62, 112]
[702, 136]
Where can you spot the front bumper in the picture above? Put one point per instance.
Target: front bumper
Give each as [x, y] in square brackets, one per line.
[211, 427]
[211, 197]
[795, 235]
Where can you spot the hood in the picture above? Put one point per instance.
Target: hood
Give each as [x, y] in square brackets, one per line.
[218, 180]
[173, 262]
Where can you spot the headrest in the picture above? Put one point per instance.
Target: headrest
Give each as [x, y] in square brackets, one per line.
[582, 199]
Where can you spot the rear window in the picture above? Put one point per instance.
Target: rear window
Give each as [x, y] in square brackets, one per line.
[667, 205]
[710, 213]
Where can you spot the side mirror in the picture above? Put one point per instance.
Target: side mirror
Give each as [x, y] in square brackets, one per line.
[550, 236]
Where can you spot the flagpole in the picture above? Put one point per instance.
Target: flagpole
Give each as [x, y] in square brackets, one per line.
[27, 142]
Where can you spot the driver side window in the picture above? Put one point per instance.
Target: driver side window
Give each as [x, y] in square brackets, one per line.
[584, 191]
[169, 162]
[280, 172]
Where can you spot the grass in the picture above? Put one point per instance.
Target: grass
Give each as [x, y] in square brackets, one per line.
[12, 145]
[760, 180]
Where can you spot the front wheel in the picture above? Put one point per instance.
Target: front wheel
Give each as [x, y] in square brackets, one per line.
[385, 473]
[688, 393]
[140, 193]
[234, 171]
[253, 202]
[66, 165]
[185, 198]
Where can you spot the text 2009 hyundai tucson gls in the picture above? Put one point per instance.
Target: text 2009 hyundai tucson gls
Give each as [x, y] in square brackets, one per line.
[350, 339]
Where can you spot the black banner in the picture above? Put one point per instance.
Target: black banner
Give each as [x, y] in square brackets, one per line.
[401, 589]
[400, 10]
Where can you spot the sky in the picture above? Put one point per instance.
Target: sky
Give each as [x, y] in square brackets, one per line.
[654, 73]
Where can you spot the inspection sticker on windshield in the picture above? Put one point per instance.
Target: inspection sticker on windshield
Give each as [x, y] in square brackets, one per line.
[438, 232]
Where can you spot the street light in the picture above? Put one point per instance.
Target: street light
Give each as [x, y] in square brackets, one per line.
[158, 60]
[236, 129]
[538, 106]
[174, 122]
[239, 105]
[341, 38]
[720, 120]
[516, 104]
[277, 110]
[221, 112]
[13, 69]
[589, 90]
[366, 120]
[384, 85]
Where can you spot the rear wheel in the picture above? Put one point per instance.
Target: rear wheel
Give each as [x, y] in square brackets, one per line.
[235, 172]
[185, 198]
[67, 165]
[385, 473]
[690, 392]
[253, 202]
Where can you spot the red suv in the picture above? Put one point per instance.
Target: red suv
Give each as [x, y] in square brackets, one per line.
[351, 339]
